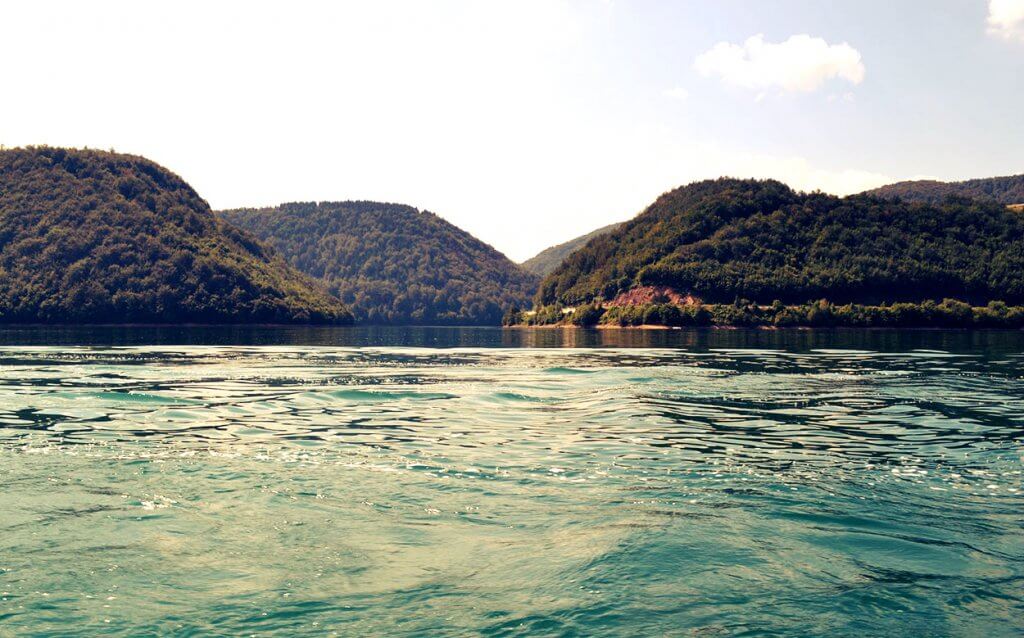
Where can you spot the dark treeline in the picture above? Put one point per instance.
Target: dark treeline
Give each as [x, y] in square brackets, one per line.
[98, 237]
[1005, 190]
[392, 263]
[730, 239]
[949, 313]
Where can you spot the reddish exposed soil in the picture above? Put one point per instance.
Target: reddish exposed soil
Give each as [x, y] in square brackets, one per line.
[652, 294]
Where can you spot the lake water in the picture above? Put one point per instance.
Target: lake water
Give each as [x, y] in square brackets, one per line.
[462, 482]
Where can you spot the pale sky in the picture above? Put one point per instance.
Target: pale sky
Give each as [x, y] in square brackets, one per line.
[525, 123]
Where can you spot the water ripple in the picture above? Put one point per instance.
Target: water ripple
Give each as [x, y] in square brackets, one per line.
[407, 491]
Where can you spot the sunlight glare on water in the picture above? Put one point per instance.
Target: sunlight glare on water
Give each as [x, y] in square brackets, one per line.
[726, 487]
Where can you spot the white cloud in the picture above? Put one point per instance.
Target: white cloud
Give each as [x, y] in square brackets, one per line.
[796, 171]
[678, 93]
[1006, 18]
[800, 174]
[801, 63]
[848, 96]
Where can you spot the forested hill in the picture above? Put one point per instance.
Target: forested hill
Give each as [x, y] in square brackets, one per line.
[759, 240]
[550, 258]
[1005, 190]
[97, 237]
[393, 263]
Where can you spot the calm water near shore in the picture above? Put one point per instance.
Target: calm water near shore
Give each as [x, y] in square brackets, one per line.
[450, 482]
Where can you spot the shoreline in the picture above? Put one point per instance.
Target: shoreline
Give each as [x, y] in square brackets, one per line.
[555, 326]
[947, 314]
[766, 328]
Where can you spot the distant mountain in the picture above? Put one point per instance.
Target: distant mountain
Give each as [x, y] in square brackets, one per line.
[393, 263]
[729, 239]
[96, 237]
[1005, 190]
[550, 258]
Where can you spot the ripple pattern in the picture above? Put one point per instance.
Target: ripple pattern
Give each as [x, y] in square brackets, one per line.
[304, 490]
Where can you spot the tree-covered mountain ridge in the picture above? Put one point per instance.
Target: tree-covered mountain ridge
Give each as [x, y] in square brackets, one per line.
[1005, 190]
[547, 260]
[393, 263]
[758, 240]
[100, 237]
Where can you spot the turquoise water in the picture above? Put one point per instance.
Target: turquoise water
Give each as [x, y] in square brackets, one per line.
[482, 482]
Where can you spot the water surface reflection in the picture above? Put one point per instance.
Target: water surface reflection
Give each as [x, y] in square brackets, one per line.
[502, 483]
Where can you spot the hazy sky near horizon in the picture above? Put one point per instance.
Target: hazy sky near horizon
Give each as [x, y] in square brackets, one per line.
[526, 123]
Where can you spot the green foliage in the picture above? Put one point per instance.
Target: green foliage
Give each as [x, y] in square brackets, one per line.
[657, 315]
[547, 316]
[950, 313]
[392, 263]
[587, 315]
[725, 239]
[548, 259]
[821, 313]
[97, 237]
[1005, 190]
[513, 316]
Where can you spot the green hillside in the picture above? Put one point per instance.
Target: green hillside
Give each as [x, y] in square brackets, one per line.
[729, 239]
[1005, 190]
[97, 237]
[393, 263]
[548, 259]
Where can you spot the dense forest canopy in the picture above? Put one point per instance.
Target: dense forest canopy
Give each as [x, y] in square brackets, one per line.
[548, 259]
[1005, 190]
[100, 237]
[729, 239]
[393, 263]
